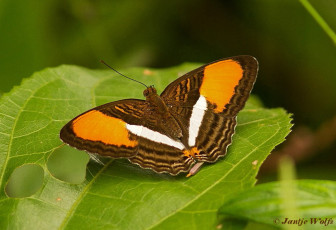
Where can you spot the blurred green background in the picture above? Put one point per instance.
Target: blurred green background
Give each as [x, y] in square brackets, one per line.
[297, 59]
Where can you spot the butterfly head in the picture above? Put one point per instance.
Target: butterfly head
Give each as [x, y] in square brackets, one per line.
[150, 91]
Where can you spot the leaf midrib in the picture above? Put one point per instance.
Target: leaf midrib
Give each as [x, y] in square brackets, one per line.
[214, 184]
[88, 186]
[81, 196]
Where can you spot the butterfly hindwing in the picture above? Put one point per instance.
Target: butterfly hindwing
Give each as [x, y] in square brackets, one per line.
[161, 157]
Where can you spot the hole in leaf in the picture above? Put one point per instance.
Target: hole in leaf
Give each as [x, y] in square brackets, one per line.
[25, 181]
[68, 164]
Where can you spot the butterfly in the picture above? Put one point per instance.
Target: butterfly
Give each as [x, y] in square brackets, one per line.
[191, 122]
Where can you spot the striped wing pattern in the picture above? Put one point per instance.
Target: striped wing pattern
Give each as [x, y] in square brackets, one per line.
[147, 153]
[217, 128]
[202, 105]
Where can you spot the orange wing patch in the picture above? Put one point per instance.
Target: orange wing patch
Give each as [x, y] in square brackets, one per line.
[96, 126]
[191, 152]
[219, 82]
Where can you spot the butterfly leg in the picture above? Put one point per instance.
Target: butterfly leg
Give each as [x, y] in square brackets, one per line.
[193, 153]
[195, 169]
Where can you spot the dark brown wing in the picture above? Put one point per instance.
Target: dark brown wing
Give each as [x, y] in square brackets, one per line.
[225, 85]
[127, 129]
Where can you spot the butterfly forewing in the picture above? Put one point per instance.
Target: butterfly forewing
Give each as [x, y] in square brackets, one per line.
[103, 129]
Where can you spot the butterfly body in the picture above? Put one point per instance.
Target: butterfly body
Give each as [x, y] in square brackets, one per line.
[162, 115]
[193, 119]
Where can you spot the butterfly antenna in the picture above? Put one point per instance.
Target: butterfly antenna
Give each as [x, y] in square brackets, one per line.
[123, 74]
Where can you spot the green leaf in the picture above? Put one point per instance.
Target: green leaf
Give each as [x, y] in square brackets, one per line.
[314, 202]
[118, 195]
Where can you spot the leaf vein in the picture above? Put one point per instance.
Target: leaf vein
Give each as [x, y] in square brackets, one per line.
[6, 115]
[111, 197]
[13, 129]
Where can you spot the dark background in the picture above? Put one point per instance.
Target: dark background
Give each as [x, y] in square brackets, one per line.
[297, 59]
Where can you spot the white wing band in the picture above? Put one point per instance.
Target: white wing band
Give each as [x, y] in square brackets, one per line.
[154, 136]
[196, 119]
